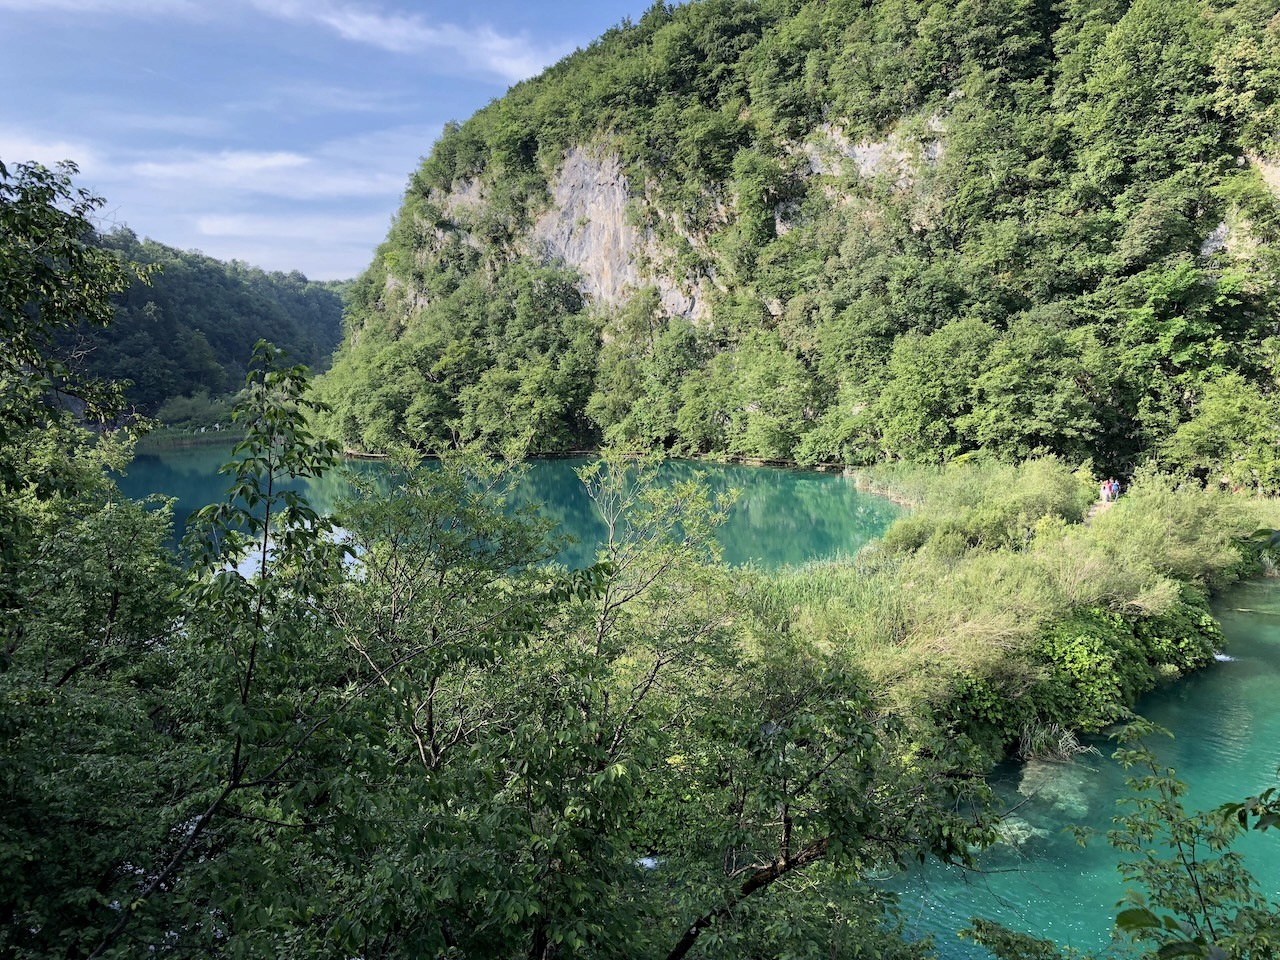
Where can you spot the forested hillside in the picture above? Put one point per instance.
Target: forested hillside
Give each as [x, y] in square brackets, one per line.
[399, 732]
[191, 326]
[851, 231]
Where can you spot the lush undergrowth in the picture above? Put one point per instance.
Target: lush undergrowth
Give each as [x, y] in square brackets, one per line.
[992, 609]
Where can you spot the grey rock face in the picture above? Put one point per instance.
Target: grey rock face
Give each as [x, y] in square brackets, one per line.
[1270, 170]
[587, 227]
[831, 152]
[1216, 242]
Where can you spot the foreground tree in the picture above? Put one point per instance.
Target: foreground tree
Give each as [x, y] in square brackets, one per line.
[52, 278]
[593, 762]
[85, 590]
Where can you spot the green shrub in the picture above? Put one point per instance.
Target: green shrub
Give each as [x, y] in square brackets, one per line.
[1095, 668]
[992, 606]
[1185, 637]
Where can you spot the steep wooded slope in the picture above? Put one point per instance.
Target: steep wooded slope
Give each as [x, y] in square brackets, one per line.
[192, 327]
[849, 231]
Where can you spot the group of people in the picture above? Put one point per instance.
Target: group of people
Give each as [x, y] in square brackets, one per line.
[1110, 490]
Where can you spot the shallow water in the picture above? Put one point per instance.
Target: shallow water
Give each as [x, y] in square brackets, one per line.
[1226, 746]
[781, 516]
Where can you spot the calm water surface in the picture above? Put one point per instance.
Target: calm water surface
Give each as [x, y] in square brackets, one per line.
[781, 517]
[1226, 746]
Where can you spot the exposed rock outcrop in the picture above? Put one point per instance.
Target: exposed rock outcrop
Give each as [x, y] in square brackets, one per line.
[466, 198]
[1270, 170]
[1217, 241]
[588, 227]
[830, 152]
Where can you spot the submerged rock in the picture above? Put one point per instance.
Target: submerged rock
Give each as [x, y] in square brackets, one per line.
[1016, 832]
[1064, 786]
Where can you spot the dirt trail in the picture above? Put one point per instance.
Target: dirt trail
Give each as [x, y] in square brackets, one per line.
[1101, 506]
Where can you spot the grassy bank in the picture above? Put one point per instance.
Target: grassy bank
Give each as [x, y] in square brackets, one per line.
[993, 612]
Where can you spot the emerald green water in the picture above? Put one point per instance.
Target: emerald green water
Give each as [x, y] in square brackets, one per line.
[781, 516]
[1226, 719]
[1226, 746]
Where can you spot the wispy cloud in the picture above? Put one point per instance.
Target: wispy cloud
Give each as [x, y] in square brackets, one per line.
[224, 165]
[17, 146]
[181, 124]
[368, 229]
[389, 148]
[484, 49]
[324, 246]
[323, 99]
[119, 7]
[280, 174]
[481, 49]
[322, 210]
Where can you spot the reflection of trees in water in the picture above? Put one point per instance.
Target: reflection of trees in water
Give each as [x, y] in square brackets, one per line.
[325, 492]
[189, 461]
[791, 516]
[781, 517]
[561, 498]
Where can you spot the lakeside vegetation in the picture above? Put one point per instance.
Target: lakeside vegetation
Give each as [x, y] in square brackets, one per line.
[992, 610]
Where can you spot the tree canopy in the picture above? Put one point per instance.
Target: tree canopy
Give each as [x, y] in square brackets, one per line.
[190, 328]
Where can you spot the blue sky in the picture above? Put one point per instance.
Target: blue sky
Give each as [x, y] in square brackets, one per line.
[280, 132]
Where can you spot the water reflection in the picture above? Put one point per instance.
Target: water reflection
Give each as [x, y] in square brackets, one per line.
[781, 517]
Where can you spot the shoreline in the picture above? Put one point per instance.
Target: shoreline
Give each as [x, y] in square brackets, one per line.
[845, 468]
[151, 442]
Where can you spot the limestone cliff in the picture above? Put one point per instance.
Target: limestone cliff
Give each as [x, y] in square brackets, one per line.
[588, 226]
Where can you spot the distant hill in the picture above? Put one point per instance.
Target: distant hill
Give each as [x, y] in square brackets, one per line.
[192, 329]
[845, 230]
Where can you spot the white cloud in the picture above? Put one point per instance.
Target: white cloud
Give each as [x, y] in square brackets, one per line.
[19, 147]
[280, 174]
[321, 258]
[483, 49]
[221, 166]
[321, 99]
[323, 246]
[397, 148]
[322, 211]
[369, 230]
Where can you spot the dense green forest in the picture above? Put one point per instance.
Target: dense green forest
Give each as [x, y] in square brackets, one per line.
[422, 739]
[187, 329]
[919, 230]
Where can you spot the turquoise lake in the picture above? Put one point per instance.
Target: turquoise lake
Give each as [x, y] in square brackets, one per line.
[781, 516]
[1226, 719]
